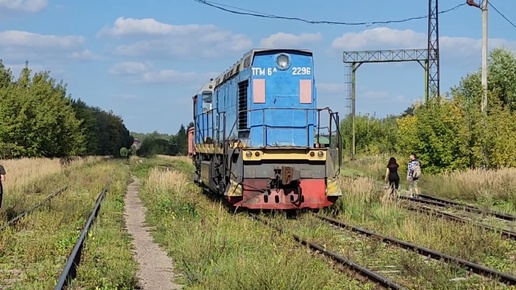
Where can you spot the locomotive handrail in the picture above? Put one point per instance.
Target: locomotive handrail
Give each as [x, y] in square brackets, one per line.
[333, 117]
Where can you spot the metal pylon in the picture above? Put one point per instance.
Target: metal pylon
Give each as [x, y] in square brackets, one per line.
[433, 49]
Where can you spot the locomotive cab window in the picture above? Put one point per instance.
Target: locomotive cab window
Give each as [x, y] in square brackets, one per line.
[206, 102]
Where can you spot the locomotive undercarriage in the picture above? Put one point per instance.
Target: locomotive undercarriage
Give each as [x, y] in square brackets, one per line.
[268, 184]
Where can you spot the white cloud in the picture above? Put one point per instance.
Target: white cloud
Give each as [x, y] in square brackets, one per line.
[282, 39]
[85, 54]
[161, 39]
[386, 38]
[18, 46]
[150, 26]
[23, 5]
[138, 72]
[128, 68]
[170, 75]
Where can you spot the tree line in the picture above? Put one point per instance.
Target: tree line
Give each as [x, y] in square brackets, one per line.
[450, 132]
[165, 144]
[39, 119]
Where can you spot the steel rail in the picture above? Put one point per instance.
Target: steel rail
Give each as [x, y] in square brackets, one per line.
[450, 203]
[70, 269]
[34, 207]
[475, 268]
[506, 233]
[373, 276]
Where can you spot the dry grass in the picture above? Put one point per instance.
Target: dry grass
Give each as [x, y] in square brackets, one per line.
[22, 171]
[488, 187]
[363, 205]
[491, 188]
[216, 250]
[33, 254]
[176, 158]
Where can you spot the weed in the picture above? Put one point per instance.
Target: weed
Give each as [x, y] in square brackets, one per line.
[216, 250]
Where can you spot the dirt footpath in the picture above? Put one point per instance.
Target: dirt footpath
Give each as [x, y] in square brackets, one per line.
[155, 267]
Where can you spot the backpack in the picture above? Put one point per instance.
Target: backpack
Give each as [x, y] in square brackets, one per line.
[416, 170]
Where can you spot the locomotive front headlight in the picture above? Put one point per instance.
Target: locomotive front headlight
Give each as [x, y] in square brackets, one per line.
[320, 154]
[248, 154]
[282, 61]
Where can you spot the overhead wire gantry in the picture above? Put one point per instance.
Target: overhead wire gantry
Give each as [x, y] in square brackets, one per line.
[428, 58]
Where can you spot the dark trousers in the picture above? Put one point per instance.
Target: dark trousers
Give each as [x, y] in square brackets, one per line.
[1, 193]
[394, 183]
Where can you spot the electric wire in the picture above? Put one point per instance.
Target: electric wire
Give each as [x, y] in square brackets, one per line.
[246, 12]
[501, 14]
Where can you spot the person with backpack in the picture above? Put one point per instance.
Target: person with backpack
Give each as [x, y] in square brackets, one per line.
[413, 175]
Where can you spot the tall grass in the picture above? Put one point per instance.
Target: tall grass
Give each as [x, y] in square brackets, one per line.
[33, 253]
[216, 250]
[22, 171]
[491, 188]
[488, 187]
[363, 204]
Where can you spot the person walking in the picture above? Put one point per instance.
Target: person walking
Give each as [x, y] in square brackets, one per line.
[413, 175]
[2, 180]
[392, 177]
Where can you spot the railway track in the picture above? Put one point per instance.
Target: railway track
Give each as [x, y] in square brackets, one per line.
[505, 278]
[47, 199]
[359, 272]
[505, 223]
[70, 270]
[449, 216]
[441, 202]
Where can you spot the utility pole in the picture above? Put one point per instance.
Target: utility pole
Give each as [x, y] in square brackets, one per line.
[484, 56]
[484, 3]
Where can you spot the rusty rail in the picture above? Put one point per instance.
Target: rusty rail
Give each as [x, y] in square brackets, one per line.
[442, 202]
[36, 206]
[70, 269]
[475, 268]
[362, 271]
[506, 233]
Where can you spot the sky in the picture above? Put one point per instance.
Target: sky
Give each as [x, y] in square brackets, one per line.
[144, 60]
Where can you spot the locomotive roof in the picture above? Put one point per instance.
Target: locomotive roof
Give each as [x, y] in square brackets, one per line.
[245, 62]
[207, 87]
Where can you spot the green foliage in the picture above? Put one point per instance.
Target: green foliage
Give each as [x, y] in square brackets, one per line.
[156, 143]
[124, 152]
[373, 135]
[451, 133]
[40, 120]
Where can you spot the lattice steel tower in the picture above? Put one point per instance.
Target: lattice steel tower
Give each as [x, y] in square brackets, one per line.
[433, 71]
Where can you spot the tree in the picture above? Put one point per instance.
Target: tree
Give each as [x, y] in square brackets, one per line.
[39, 119]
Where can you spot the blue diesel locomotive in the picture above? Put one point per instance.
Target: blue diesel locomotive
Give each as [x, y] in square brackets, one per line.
[257, 137]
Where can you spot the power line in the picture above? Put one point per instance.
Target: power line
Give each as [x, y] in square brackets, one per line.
[242, 11]
[501, 14]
